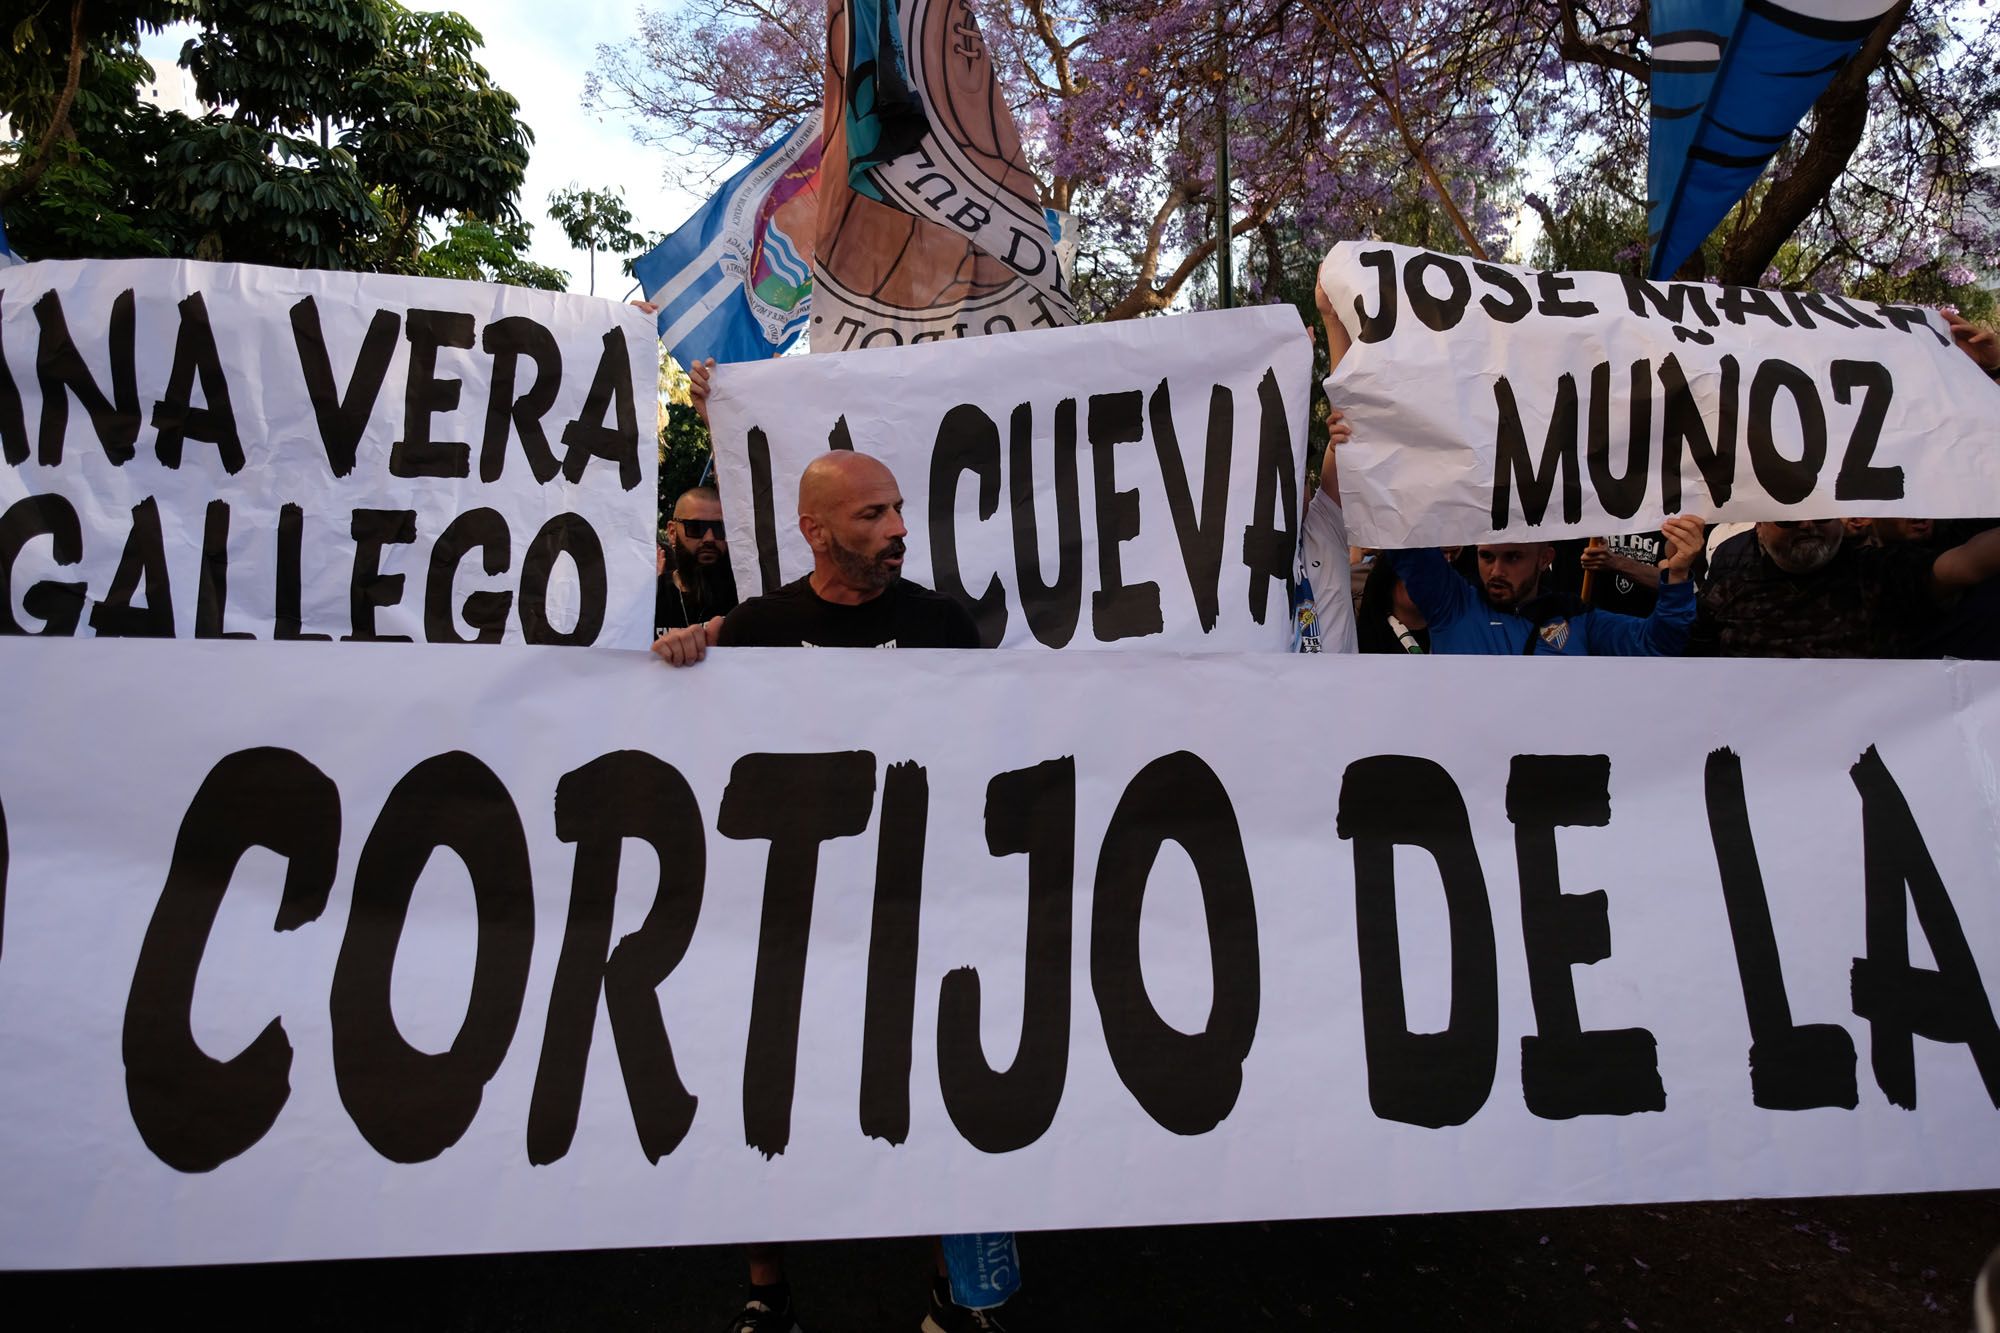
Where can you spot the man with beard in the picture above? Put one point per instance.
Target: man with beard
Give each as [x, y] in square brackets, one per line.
[1800, 589]
[851, 513]
[697, 582]
[1515, 615]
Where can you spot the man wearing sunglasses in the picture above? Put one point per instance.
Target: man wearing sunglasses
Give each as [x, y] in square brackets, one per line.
[696, 583]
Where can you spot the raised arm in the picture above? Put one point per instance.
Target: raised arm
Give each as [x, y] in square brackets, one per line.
[1337, 341]
[1604, 558]
[698, 385]
[1338, 432]
[1433, 585]
[1966, 566]
[1665, 632]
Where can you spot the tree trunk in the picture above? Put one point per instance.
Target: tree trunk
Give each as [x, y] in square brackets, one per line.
[1839, 119]
[1146, 295]
[59, 119]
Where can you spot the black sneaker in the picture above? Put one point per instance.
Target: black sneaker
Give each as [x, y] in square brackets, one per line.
[757, 1317]
[947, 1316]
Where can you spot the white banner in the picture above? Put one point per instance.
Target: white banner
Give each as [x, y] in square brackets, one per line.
[1492, 403]
[1111, 485]
[226, 451]
[335, 951]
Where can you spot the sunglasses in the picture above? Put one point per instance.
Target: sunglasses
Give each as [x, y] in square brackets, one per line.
[698, 528]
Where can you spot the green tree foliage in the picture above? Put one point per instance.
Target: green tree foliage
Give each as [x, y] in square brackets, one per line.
[350, 133]
[283, 67]
[479, 251]
[69, 79]
[434, 129]
[595, 220]
[684, 456]
[646, 241]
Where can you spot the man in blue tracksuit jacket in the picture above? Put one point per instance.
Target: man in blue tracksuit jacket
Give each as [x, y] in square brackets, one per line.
[1515, 616]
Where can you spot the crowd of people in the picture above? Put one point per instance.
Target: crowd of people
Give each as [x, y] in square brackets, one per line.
[1898, 588]
[1829, 588]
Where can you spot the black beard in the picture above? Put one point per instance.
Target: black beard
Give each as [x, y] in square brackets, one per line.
[710, 589]
[1807, 555]
[869, 571]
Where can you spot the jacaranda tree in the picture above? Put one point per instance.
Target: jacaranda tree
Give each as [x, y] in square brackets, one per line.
[1428, 119]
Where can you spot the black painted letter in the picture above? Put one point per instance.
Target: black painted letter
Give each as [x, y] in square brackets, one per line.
[1793, 1066]
[967, 441]
[1433, 1079]
[1565, 1071]
[571, 535]
[1032, 811]
[1200, 534]
[57, 605]
[1187, 1081]
[1899, 1001]
[144, 559]
[194, 1111]
[1051, 608]
[797, 802]
[410, 1104]
[627, 794]
[1118, 610]
[891, 1006]
[1269, 551]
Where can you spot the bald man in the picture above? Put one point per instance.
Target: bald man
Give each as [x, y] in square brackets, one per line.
[851, 515]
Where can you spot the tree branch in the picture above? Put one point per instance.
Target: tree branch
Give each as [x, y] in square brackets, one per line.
[1839, 119]
[1145, 295]
[1558, 243]
[1574, 48]
[58, 127]
[1045, 28]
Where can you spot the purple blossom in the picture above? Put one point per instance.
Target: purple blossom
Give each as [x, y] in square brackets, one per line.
[1117, 104]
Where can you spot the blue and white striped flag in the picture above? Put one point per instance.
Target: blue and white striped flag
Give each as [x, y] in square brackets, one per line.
[735, 282]
[1750, 94]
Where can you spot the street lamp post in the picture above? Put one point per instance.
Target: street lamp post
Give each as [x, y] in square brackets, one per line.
[1225, 282]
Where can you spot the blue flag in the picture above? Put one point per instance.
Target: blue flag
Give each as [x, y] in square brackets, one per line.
[1780, 56]
[7, 255]
[1688, 37]
[735, 282]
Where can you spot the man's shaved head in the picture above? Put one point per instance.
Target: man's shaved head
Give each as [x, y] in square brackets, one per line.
[851, 514]
[833, 478]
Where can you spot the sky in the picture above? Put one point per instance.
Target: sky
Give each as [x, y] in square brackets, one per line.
[540, 51]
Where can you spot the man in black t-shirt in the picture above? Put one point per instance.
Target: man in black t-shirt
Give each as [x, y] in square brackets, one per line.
[1795, 589]
[851, 514]
[696, 582]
